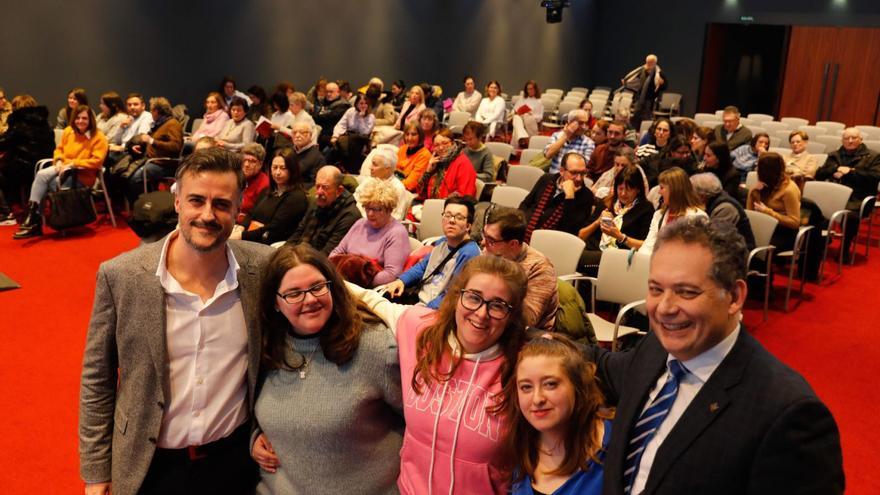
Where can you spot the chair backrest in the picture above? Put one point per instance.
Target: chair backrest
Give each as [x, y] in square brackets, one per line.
[554, 91]
[501, 150]
[828, 196]
[459, 118]
[870, 130]
[782, 134]
[831, 142]
[759, 117]
[480, 185]
[775, 126]
[670, 100]
[757, 129]
[550, 104]
[831, 125]
[414, 244]
[196, 124]
[816, 147]
[747, 122]
[523, 176]
[712, 123]
[751, 180]
[510, 196]
[527, 154]
[602, 88]
[622, 279]
[794, 122]
[699, 118]
[432, 221]
[58, 134]
[579, 89]
[778, 149]
[763, 226]
[561, 248]
[872, 144]
[820, 158]
[813, 130]
[565, 107]
[539, 142]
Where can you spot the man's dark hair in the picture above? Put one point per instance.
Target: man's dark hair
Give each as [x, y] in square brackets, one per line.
[212, 160]
[135, 95]
[467, 201]
[728, 248]
[511, 222]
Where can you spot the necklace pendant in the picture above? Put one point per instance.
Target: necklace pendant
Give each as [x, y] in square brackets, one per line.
[302, 374]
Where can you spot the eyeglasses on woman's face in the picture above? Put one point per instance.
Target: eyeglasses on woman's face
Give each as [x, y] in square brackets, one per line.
[298, 296]
[473, 301]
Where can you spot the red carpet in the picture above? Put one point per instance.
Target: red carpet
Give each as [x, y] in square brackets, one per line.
[830, 339]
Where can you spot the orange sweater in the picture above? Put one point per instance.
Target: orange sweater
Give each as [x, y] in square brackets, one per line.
[82, 153]
[412, 167]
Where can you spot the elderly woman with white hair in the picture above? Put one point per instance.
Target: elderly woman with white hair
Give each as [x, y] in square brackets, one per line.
[379, 237]
[382, 162]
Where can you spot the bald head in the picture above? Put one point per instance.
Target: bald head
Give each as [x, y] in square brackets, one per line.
[331, 91]
[851, 138]
[651, 61]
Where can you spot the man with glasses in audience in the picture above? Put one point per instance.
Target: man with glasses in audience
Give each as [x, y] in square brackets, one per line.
[172, 351]
[731, 130]
[572, 138]
[433, 273]
[504, 232]
[333, 212]
[307, 152]
[559, 201]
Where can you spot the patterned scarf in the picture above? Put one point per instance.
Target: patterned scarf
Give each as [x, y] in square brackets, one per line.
[434, 179]
[554, 217]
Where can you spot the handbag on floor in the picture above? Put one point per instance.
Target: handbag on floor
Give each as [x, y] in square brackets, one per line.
[70, 207]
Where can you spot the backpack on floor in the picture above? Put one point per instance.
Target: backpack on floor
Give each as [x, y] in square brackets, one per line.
[153, 214]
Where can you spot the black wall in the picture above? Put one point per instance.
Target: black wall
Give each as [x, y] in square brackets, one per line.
[182, 48]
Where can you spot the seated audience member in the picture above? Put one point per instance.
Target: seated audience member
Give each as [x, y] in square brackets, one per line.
[572, 138]
[746, 156]
[587, 106]
[433, 100]
[5, 110]
[398, 95]
[75, 98]
[477, 152]
[658, 136]
[328, 415]
[382, 170]
[204, 143]
[433, 274]
[78, 157]
[717, 160]
[631, 136]
[731, 131]
[598, 132]
[229, 91]
[750, 422]
[720, 206]
[559, 201]
[777, 195]
[492, 110]
[28, 138]
[351, 135]
[139, 122]
[412, 157]
[378, 236]
[602, 158]
[504, 233]
[260, 105]
[308, 155]
[215, 117]
[699, 140]
[412, 108]
[449, 171]
[528, 112]
[799, 163]
[625, 221]
[297, 106]
[677, 153]
[469, 99]
[559, 428]
[430, 125]
[280, 208]
[238, 130]
[679, 201]
[282, 118]
[345, 91]
[165, 140]
[382, 110]
[684, 127]
[288, 88]
[112, 116]
[331, 216]
[328, 111]
[317, 93]
[252, 156]
[623, 157]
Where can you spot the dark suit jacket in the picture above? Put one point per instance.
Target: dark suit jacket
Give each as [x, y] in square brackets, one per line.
[755, 427]
[125, 385]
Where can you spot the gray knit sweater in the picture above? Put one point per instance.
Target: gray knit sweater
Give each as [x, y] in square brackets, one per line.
[339, 429]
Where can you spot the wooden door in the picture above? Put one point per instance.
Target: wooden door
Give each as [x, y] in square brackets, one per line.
[831, 74]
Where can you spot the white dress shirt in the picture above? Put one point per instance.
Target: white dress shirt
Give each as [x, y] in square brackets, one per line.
[140, 125]
[699, 370]
[207, 359]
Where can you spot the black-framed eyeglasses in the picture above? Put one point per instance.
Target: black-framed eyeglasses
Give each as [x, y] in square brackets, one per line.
[298, 296]
[473, 301]
[491, 242]
[576, 173]
[457, 217]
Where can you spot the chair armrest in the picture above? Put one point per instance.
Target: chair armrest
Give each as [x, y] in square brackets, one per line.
[620, 314]
[754, 252]
[41, 164]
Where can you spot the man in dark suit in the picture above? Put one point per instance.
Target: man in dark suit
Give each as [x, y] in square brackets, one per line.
[702, 407]
[173, 348]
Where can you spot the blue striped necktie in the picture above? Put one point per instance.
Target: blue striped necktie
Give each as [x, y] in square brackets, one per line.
[649, 421]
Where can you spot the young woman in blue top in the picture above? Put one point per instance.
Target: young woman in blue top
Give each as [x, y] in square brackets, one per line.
[559, 428]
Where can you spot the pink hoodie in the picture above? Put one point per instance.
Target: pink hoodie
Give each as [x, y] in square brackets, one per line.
[449, 420]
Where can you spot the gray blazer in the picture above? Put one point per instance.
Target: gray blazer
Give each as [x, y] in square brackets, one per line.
[125, 385]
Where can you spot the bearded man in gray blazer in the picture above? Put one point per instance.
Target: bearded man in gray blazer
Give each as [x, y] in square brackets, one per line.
[173, 347]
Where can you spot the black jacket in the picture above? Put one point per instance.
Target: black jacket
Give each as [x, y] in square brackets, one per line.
[575, 212]
[324, 228]
[742, 221]
[862, 179]
[29, 137]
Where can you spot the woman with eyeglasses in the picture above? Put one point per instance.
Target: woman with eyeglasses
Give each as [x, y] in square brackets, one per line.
[658, 138]
[328, 409]
[449, 170]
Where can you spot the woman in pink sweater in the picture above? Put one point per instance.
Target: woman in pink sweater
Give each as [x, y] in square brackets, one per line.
[452, 365]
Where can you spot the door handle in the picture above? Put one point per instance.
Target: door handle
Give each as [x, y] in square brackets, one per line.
[822, 92]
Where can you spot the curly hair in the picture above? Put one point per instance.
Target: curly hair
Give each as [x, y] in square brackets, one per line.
[378, 192]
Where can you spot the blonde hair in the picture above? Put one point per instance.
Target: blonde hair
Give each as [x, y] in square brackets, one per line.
[298, 97]
[378, 192]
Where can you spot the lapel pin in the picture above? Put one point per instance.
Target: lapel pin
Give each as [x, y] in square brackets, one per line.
[713, 407]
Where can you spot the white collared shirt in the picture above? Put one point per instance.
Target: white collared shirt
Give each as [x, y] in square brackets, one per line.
[699, 370]
[207, 346]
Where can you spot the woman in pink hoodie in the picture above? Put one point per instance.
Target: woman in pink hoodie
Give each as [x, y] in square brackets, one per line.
[452, 364]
